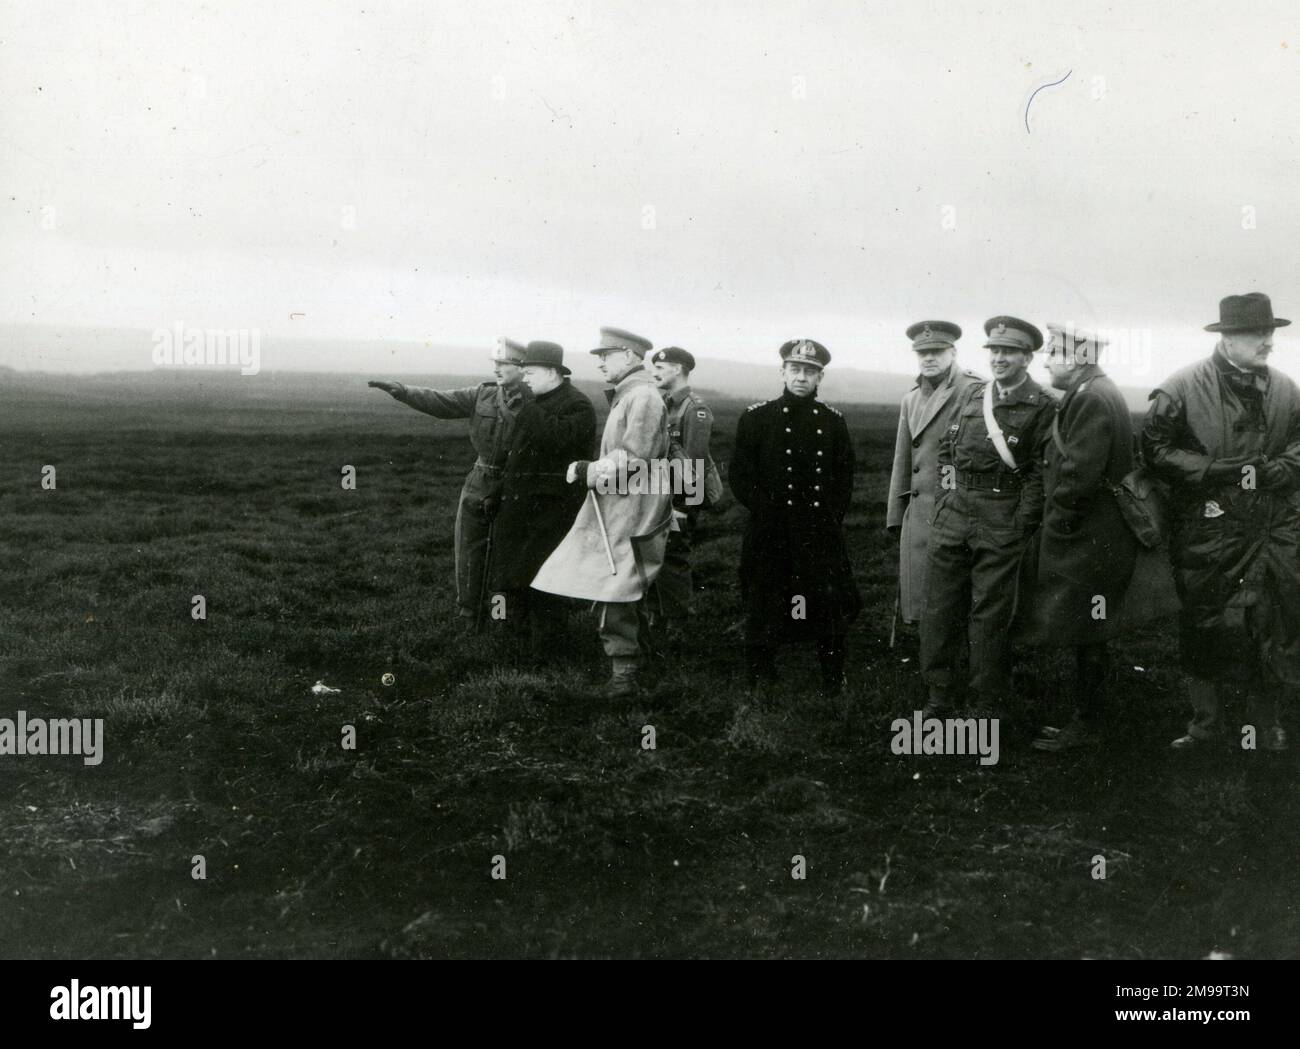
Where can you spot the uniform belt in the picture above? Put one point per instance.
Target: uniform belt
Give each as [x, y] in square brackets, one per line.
[989, 480]
[479, 464]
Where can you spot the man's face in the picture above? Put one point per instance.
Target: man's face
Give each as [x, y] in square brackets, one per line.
[935, 362]
[666, 374]
[1249, 349]
[506, 372]
[1060, 363]
[1008, 365]
[540, 379]
[801, 380]
[614, 364]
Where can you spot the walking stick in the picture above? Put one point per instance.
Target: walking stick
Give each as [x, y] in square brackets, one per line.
[600, 520]
[893, 622]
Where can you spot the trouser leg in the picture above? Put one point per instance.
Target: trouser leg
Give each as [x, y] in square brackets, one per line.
[674, 586]
[620, 629]
[471, 549]
[760, 649]
[1206, 706]
[1091, 669]
[993, 590]
[947, 605]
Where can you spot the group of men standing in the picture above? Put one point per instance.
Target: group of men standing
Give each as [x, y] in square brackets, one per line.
[540, 520]
[1006, 502]
[1007, 507]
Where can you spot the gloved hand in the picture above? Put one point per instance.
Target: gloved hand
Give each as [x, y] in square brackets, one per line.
[1229, 471]
[601, 469]
[577, 472]
[1274, 474]
[393, 388]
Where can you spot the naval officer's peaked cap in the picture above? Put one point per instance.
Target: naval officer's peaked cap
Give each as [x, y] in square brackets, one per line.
[933, 335]
[1012, 333]
[805, 351]
[618, 339]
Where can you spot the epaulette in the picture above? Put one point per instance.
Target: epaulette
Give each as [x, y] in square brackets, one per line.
[757, 404]
[835, 410]
[973, 375]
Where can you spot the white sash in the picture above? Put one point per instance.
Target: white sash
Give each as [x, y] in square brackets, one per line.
[995, 431]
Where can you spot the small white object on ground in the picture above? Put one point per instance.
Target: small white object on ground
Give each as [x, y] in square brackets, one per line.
[322, 689]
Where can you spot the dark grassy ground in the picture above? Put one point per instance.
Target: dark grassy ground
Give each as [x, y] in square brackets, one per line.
[216, 747]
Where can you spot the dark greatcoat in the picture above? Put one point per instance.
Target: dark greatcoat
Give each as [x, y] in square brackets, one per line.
[1233, 545]
[1085, 550]
[537, 505]
[792, 469]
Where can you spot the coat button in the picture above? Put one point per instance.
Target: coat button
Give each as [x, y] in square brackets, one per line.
[817, 488]
[814, 411]
[790, 486]
[916, 442]
[817, 504]
[789, 469]
[786, 410]
[789, 502]
[819, 451]
[819, 469]
[787, 429]
[788, 452]
[819, 431]
[916, 469]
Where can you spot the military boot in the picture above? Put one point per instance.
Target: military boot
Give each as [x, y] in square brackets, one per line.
[623, 677]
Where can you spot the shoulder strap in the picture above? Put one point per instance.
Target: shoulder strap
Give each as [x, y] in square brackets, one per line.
[995, 431]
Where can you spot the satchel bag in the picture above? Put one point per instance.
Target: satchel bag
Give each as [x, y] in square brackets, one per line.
[1141, 498]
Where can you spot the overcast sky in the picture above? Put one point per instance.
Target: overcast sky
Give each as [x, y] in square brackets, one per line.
[722, 176]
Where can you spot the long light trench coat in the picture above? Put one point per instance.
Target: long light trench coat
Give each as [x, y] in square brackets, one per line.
[922, 422]
[634, 492]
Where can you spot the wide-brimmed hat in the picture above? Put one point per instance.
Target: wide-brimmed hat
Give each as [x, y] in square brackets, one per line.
[1250, 312]
[546, 355]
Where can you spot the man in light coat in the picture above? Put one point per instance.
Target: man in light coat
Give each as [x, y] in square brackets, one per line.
[1225, 434]
[615, 548]
[922, 424]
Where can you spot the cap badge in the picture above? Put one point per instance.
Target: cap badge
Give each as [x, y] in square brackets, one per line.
[925, 332]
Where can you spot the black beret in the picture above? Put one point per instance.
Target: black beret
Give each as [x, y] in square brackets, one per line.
[673, 355]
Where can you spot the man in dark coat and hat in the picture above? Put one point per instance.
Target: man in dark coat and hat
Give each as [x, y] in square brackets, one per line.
[1225, 434]
[1086, 552]
[792, 469]
[554, 423]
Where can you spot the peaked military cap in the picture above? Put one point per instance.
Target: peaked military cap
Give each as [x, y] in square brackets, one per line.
[618, 339]
[546, 354]
[507, 350]
[805, 351]
[1013, 334]
[673, 355]
[933, 335]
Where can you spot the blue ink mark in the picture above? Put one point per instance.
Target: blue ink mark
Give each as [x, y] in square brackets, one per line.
[1038, 89]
